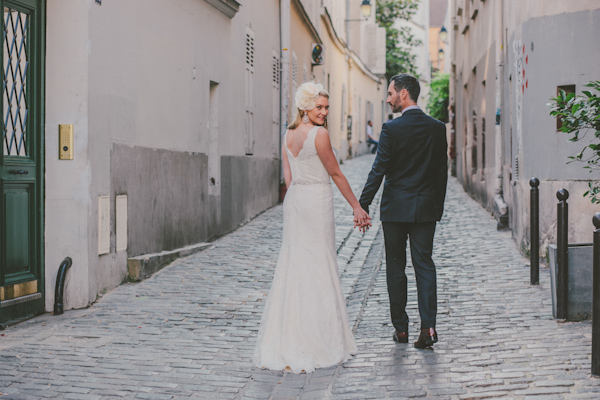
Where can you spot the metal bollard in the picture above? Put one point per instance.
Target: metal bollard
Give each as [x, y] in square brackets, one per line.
[534, 236]
[596, 299]
[562, 256]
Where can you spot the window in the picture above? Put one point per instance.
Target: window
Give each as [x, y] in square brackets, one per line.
[567, 89]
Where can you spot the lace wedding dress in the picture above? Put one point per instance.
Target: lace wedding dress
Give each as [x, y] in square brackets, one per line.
[305, 324]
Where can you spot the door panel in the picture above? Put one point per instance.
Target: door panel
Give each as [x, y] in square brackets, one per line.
[18, 207]
[21, 161]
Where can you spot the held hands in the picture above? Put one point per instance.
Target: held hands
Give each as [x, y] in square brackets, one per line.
[361, 219]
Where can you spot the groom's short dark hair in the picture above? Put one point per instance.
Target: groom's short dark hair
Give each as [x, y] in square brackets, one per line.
[408, 82]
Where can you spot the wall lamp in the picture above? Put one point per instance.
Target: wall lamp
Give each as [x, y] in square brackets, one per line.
[443, 34]
[365, 10]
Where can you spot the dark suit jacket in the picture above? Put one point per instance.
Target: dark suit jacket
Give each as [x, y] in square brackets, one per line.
[412, 155]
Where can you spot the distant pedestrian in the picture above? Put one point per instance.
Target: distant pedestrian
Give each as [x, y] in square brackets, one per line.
[305, 323]
[370, 139]
[412, 157]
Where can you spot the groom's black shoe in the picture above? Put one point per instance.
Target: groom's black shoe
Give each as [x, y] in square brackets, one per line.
[427, 338]
[400, 337]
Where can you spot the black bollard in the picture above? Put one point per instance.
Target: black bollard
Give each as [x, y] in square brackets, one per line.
[562, 256]
[534, 238]
[596, 299]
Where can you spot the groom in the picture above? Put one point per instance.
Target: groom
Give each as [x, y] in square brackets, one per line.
[412, 155]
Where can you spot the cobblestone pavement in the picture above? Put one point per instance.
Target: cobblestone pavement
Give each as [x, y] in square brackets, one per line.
[188, 332]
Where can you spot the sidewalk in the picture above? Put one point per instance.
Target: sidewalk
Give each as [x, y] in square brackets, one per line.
[189, 331]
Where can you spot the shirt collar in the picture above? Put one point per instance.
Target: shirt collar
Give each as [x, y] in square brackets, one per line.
[415, 107]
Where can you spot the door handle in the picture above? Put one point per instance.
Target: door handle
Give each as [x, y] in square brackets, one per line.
[20, 172]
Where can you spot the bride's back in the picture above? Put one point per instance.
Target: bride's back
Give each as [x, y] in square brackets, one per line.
[296, 138]
[302, 154]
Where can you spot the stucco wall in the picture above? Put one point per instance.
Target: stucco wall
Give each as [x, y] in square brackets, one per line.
[67, 198]
[157, 94]
[551, 44]
[540, 43]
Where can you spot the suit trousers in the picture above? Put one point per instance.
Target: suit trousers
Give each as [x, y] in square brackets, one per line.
[421, 249]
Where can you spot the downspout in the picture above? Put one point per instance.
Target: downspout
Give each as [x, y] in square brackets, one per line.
[60, 286]
[285, 9]
[348, 24]
[501, 208]
[349, 129]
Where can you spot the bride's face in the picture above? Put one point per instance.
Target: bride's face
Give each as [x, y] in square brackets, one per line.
[318, 114]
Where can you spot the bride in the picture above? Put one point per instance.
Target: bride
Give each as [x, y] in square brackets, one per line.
[305, 324]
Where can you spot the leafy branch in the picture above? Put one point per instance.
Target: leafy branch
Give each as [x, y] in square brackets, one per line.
[579, 115]
[439, 94]
[399, 40]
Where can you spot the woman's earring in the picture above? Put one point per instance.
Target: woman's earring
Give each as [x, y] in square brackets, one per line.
[305, 119]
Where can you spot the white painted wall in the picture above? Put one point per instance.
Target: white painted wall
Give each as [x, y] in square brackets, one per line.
[541, 38]
[68, 202]
[138, 73]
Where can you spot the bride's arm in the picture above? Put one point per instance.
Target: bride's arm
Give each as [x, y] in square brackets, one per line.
[325, 152]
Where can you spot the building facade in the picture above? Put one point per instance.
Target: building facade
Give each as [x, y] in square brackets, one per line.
[352, 68]
[509, 60]
[135, 129]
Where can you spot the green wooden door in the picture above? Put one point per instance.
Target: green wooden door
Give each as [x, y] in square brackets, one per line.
[22, 162]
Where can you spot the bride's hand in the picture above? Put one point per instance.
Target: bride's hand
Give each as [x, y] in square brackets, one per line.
[361, 219]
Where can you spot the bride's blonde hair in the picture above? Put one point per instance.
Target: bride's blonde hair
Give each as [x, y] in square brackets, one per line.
[305, 99]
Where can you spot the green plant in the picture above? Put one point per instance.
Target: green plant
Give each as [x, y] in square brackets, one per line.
[579, 115]
[439, 97]
[399, 40]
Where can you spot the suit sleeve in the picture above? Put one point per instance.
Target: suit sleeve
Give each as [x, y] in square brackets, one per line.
[380, 166]
[442, 170]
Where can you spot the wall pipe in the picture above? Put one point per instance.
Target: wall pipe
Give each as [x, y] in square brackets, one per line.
[60, 285]
[500, 204]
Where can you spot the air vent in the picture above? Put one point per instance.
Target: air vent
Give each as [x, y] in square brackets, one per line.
[249, 49]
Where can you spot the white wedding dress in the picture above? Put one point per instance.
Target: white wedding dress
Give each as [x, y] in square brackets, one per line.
[305, 324]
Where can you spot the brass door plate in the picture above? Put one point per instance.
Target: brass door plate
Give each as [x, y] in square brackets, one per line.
[18, 290]
[65, 142]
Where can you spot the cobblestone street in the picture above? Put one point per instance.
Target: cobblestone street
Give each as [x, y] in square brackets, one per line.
[189, 330]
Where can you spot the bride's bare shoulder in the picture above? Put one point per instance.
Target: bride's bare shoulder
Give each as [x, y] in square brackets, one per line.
[322, 131]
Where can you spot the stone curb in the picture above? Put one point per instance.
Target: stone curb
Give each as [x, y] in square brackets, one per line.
[144, 266]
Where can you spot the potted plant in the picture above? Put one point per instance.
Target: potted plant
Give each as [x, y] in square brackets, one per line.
[578, 116]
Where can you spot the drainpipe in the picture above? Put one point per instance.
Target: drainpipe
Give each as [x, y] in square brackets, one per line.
[348, 24]
[284, 10]
[60, 286]
[500, 205]
[349, 130]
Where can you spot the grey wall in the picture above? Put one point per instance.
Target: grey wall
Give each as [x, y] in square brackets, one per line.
[169, 205]
[566, 50]
[167, 197]
[249, 185]
[558, 50]
[540, 54]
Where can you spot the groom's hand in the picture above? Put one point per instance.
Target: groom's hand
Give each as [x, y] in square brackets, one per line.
[361, 219]
[365, 207]
[365, 227]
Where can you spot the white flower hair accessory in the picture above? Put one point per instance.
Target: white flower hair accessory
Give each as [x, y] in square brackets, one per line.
[307, 95]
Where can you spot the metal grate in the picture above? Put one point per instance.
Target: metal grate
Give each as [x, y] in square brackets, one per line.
[275, 70]
[14, 76]
[294, 69]
[249, 50]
